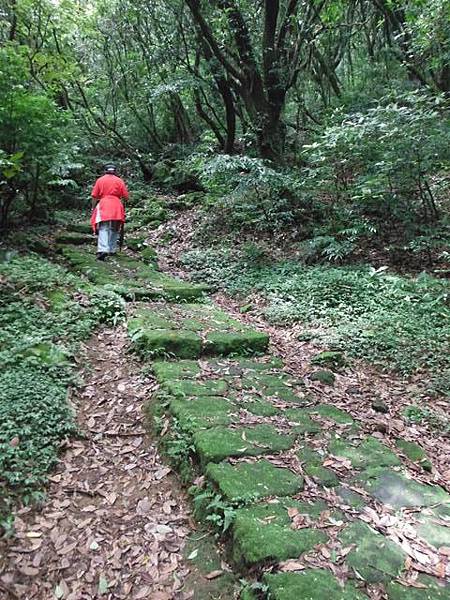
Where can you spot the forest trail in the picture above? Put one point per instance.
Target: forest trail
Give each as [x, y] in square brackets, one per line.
[115, 518]
[312, 498]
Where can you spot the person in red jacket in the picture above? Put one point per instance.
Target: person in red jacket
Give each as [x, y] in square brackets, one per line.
[108, 214]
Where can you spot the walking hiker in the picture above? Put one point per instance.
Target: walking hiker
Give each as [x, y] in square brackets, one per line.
[108, 215]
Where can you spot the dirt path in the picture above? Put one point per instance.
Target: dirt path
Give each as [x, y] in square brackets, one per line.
[115, 519]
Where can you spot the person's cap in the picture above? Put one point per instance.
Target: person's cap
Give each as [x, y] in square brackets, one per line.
[110, 168]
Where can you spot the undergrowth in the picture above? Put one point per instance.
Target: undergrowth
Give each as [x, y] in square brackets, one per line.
[44, 314]
[395, 322]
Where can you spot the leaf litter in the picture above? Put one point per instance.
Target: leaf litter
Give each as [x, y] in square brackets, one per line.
[115, 520]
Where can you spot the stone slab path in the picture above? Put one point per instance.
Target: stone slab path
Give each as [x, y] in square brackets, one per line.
[309, 504]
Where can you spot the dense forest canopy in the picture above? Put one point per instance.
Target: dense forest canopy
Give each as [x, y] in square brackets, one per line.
[328, 116]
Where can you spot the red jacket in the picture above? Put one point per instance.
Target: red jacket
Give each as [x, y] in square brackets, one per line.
[109, 189]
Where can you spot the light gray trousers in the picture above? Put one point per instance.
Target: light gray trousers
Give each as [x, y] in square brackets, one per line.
[108, 236]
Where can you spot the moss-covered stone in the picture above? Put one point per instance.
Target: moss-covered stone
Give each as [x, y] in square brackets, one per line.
[182, 369]
[224, 344]
[369, 452]
[397, 591]
[329, 359]
[311, 584]
[85, 228]
[414, 452]
[375, 558]
[259, 407]
[76, 239]
[251, 481]
[264, 533]
[188, 388]
[429, 529]
[396, 490]
[331, 412]
[323, 376]
[183, 344]
[213, 445]
[350, 497]
[202, 413]
[301, 421]
[322, 475]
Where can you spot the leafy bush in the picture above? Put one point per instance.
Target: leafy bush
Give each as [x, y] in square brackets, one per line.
[35, 418]
[387, 162]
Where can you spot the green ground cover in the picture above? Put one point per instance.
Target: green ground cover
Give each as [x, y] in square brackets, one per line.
[41, 325]
[395, 322]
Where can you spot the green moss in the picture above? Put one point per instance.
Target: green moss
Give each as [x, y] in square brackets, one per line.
[183, 344]
[331, 412]
[255, 541]
[329, 359]
[213, 445]
[136, 243]
[249, 481]
[79, 228]
[202, 412]
[375, 558]
[166, 371]
[396, 490]
[414, 452]
[430, 530]
[350, 497]
[224, 344]
[202, 555]
[397, 591]
[301, 421]
[322, 475]
[370, 452]
[323, 376]
[186, 388]
[74, 238]
[259, 407]
[311, 584]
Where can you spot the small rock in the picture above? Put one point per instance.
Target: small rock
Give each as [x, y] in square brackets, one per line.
[323, 376]
[380, 406]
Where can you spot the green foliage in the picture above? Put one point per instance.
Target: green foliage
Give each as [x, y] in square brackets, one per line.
[396, 322]
[41, 325]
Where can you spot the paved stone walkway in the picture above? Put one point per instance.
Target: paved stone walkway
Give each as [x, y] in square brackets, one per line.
[309, 504]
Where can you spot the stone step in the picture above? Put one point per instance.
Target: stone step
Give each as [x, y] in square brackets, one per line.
[129, 277]
[192, 330]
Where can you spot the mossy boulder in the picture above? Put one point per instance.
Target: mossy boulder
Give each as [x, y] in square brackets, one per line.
[375, 557]
[415, 453]
[213, 445]
[257, 406]
[351, 498]
[311, 584]
[246, 482]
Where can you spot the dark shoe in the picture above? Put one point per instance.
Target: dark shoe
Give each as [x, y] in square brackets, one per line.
[101, 255]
